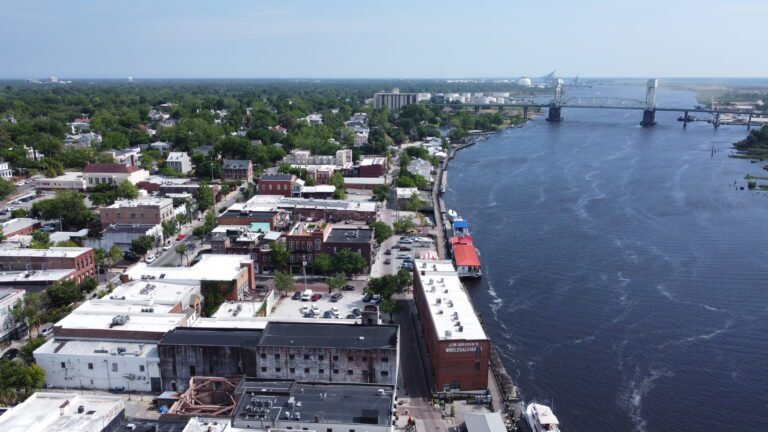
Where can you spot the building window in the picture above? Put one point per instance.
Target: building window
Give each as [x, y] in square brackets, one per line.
[306, 370]
[335, 371]
[141, 368]
[263, 369]
[335, 358]
[263, 355]
[321, 357]
[292, 370]
[365, 359]
[192, 371]
[114, 367]
[384, 359]
[321, 371]
[90, 366]
[306, 356]
[277, 369]
[277, 356]
[350, 358]
[291, 356]
[63, 366]
[350, 372]
[384, 373]
[477, 365]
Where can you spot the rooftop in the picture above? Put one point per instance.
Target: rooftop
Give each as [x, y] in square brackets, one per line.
[58, 412]
[243, 309]
[136, 322]
[365, 180]
[97, 347]
[113, 168]
[405, 192]
[162, 180]
[210, 267]
[236, 164]
[131, 229]
[449, 305]
[175, 156]
[350, 235]
[155, 292]
[465, 254]
[142, 202]
[316, 403]
[55, 252]
[9, 293]
[484, 422]
[67, 176]
[32, 276]
[372, 161]
[319, 189]
[13, 225]
[212, 337]
[276, 177]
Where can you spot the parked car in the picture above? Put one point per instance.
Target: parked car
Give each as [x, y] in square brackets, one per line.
[357, 312]
[180, 237]
[130, 256]
[327, 314]
[376, 299]
[304, 309]
[46, 331]
[306, 295]
[167, 246]
[348, 288]
[315, 309]
[405, 248]
[261, 287]
[388, 252]
[335, 312]
[403, 256]
[10, 354]
[387, 261]
[296, 295]
[351, 316]
[316, 297]
[336, 296]
[151, 258]
[367, 297]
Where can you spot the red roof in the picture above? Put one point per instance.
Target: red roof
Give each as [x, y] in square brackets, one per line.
[463, 239]
[82, 120]
[465, 255]
[112, 168]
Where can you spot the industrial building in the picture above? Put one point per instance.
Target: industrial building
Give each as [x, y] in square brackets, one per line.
[310, 351]
[65, 412]
[458, 346]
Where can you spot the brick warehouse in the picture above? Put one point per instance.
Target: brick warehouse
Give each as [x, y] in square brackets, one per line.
[458, 346]
[79, 259]
[311, 351]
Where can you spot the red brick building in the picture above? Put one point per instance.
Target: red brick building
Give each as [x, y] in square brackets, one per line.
[148, 211]
[372, 167]
[458, 346]
[275, 184]
[305, 241]
[79, 259]
[20, 226]
[238, 170]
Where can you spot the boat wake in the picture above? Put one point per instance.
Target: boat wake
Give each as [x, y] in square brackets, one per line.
[631, 398]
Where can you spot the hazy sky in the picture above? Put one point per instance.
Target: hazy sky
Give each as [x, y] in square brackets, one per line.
[366, 38]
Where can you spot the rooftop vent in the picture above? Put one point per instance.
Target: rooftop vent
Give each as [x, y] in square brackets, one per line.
[119, 320]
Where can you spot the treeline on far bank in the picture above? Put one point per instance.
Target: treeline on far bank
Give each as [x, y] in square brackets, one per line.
[755, 145]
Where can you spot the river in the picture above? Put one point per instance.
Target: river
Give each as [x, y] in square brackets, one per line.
[625, 276]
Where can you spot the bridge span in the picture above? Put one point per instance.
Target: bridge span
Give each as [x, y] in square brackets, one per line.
[556, 104]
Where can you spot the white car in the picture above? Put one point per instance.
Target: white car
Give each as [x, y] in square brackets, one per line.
[376, 299]
[306, 295]
[168, 246]
[151, 258]
[315, 309]
[47, 331]
[304, 309]
[335, 312]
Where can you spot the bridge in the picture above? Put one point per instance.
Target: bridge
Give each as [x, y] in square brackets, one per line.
[555, 105]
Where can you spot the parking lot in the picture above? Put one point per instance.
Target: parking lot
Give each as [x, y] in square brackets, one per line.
[350, 300]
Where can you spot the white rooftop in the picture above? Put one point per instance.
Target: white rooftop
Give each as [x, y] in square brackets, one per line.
[156, 179]
[449, 304]
[484, 422]
[97, 347]
[144, 201]
[154, 292]
[261, 322]
[202, 424]
[286, 202]
[405, 192]
[17, 224]
[35, 275]
[211, 267]
[122, 307]
[319, 189]
[57, 252]
[365, 180]
[372, 161]
[240, 309]
[57, 412]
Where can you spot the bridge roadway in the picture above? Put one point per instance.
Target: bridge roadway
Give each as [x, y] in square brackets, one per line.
[624, 107]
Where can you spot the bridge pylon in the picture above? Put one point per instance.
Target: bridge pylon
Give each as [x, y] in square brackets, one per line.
[649, 113]
[554, 114]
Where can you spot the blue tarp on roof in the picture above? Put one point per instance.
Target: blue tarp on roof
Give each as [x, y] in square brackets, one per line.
[460, 224]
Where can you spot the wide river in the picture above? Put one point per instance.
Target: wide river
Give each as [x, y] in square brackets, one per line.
[625, 276]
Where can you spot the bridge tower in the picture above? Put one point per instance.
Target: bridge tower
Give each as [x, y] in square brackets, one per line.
[555, 107]
[649, 113]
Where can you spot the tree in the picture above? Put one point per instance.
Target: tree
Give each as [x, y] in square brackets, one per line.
[381, 192]
[28, 311]
[6, 188]
[381, 231]
[68, 206]
[18, 381]
[284, 282]
[143, 244]
[404, 280]
[169, 228]
[348, 262]
[19, 213]
[63, 294]
[115, 254]
[405, 182]
[415, 203]
[27, 350]
[40, 240]
[114, 140]
[89, 285]
[389, 306]
[279, 256]
[322, 263]
[338, 180]
[403, 225]
[182, 252]
[204, 197]
[337, 282]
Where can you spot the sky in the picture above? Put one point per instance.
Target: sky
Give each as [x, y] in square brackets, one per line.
[381, 39]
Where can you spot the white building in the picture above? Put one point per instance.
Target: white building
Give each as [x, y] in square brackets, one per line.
[112, 174]
[68, 180]
[61, 412]
[162, 147]
[5, 171]
[421, 167]
[8, 326]
[127, 157]
[179, 161]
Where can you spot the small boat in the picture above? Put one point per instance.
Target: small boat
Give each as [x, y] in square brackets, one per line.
[452, 215]
[540, 418]
[686, 118]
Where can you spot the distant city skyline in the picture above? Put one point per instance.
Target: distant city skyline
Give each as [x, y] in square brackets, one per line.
[395, 39]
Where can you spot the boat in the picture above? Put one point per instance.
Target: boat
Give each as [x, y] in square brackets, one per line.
[466, 259]
[540, 418]
[452, 215]
[686, 118]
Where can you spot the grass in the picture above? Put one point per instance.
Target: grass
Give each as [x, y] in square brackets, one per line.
[751, 177]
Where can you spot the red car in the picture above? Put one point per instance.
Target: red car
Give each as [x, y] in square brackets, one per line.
[180, 237]
[315, 297]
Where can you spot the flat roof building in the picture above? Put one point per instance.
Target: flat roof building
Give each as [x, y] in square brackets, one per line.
[19, 226]
[61, 412]
[77, 259]
[455, 338]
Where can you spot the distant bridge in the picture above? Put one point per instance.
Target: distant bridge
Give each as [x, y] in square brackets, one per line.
[555, 105]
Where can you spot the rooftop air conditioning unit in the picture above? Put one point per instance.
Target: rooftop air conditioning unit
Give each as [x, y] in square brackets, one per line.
[447, 333]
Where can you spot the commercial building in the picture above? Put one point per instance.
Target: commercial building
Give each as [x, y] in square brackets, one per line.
[122, 235]
[275, 184]
[368, 183]
[309, 351]
[458, 346]
[321, 174]
[395, 100]
[35, 280]
[372, 167]
[179, 161]
[66, 181]
[237, 170]
[143, 211]
[330, 210]
[112, 174]
[19, 226]
[358, 240]
[9, 327]
[65, 412]
[484, 422]
[341, 159]
[127, 157]
[77, 259]
[304, 242]
[255, 212]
